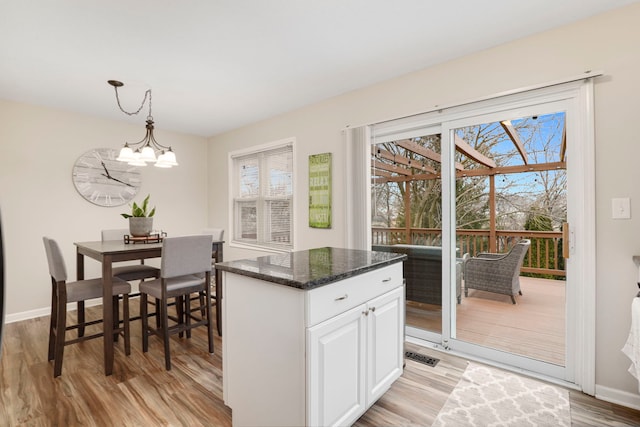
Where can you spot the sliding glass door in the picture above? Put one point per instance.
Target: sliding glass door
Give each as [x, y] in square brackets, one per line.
[509, 207]
[478, 198]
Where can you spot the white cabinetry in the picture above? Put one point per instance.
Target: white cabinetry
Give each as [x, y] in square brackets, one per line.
[353, 358]
[336, 363]
[317, 357]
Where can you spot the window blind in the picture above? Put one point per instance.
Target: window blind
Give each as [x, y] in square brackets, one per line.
[263, 197]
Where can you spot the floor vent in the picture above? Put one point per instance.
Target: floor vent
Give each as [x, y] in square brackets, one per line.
[430, 361]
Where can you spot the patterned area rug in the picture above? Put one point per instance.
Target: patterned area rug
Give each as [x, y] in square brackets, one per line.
[490, 397]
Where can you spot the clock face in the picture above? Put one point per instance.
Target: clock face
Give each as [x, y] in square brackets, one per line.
[103, 180]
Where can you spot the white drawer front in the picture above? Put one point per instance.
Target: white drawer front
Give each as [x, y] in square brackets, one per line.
[330, 300]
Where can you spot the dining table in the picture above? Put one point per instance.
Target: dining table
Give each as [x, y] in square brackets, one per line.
[112, 251]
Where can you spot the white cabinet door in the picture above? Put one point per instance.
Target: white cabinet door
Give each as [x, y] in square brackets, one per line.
[385, 342]
[336, 364]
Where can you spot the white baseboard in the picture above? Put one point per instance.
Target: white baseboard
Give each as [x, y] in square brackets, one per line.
[26, 315]
[619, 397]
[39, 312]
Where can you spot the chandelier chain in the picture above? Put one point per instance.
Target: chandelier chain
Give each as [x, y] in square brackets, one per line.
[146, 94]
[147, 150]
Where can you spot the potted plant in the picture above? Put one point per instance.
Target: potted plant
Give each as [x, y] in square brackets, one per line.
[140, 219]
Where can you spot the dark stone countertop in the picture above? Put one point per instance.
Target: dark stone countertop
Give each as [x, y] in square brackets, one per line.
[311, 268]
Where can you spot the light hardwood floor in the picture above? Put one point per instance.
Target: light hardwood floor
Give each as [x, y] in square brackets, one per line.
[142, 393]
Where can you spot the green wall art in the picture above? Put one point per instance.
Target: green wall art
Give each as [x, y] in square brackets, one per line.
[320, 190]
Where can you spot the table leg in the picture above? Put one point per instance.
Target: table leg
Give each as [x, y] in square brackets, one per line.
[107, 313]
[80, 276]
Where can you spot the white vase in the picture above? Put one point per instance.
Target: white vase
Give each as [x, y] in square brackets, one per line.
[140, 226]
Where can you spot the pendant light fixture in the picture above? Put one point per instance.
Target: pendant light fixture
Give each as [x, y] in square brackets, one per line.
[147, 150]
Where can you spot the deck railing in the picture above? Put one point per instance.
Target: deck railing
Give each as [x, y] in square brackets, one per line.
[544, 255]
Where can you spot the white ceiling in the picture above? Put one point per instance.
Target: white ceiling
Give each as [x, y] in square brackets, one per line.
[215, 65]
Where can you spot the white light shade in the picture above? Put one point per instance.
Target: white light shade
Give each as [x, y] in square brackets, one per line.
[170, 158]
[137, 162]
[161, 163]
[148, 155]
[126, 154]
[136, 159]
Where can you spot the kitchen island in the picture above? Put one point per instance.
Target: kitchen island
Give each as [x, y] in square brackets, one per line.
[312, 337]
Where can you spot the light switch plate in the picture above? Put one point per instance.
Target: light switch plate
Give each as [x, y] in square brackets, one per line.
[621, 208]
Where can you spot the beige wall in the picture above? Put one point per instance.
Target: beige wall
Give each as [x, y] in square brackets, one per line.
[37, 196]
[38, 147]
[607, 43]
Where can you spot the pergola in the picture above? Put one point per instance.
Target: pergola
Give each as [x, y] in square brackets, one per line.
[389, 167]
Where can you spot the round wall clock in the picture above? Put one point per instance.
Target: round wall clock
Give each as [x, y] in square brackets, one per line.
[104, 181]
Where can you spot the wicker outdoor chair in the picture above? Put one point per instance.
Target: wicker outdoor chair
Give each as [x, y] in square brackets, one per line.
[499, 273]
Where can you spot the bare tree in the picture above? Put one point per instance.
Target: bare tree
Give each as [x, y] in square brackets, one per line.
[516, 195]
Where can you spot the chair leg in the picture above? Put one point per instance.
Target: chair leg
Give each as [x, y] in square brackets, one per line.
[209, 321]
[187, 314]
[513, 300]
[180, 312]
[145, 321]
[158, 314]
[61, 328]
[81, 318]
[201, 296]
[53, 327]
[127, 330]
[210, 329]
[116, 317]
[165, 334]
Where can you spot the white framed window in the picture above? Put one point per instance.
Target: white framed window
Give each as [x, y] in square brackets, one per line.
[262, 181]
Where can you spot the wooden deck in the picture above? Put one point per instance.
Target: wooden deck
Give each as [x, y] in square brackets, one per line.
[534, 327]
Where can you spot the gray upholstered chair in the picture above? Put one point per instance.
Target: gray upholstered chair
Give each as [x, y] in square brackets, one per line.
[218, 235]
[185, 269]
[63, 292]
[499, 273]
[133, 272]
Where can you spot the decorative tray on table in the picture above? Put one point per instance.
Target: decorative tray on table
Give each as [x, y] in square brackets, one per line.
[155, 237]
